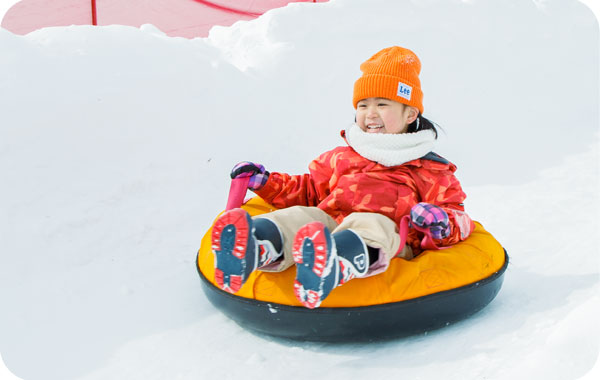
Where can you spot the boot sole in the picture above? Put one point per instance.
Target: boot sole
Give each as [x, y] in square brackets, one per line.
[313, 263]
[230, 238]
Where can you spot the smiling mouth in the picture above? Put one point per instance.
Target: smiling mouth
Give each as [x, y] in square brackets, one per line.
[374, 128]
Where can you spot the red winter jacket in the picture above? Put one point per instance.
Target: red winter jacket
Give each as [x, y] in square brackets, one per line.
[341, 182]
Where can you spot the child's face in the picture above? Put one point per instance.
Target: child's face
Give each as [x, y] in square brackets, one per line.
[380, 115]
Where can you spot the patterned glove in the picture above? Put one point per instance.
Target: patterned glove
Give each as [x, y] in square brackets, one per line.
[257, 173]
[428, 217]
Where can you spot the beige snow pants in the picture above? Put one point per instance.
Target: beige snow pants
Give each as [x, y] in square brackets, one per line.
[377, 231]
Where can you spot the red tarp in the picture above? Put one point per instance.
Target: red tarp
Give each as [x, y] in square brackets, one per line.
[182, 18]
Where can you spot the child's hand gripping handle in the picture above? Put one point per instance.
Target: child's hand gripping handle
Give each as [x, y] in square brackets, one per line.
[427, 242]
[245, 175]
[237, 192]
[431, 220]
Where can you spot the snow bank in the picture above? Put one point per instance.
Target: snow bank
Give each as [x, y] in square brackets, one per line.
[115, 147]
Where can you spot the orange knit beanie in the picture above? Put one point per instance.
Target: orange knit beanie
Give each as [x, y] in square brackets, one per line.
[392, 73]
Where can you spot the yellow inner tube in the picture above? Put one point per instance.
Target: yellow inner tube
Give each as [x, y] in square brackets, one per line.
[431, 272]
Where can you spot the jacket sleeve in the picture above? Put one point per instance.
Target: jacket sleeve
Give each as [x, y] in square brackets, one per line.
[284, 190]
[442, 188]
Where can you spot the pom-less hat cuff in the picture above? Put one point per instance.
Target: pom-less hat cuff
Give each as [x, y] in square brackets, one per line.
[389, 87]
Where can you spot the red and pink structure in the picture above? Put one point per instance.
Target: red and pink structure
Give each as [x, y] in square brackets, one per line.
[177, 18]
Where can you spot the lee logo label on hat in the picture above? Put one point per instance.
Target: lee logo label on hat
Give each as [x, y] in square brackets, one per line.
[404, 90]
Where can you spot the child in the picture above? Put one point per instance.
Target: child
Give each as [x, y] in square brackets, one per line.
[341, 220]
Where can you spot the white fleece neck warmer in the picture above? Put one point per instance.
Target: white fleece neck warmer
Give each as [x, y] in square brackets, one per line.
[390, 149]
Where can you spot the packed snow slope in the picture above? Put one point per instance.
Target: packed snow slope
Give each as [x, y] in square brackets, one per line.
[115, 149]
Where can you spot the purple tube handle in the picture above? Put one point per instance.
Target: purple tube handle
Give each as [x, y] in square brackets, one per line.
[237, 192]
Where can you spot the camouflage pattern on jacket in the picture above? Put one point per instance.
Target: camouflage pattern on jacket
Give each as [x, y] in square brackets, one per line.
[341, 182]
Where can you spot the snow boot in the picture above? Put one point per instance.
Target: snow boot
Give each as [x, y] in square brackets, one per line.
[324, 261]
[241, 245]
[269, 241]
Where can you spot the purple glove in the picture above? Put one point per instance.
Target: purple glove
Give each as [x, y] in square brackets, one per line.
[257, 173]
[434, 219]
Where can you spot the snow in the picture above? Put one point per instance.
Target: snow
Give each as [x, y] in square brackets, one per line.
[115, 148]
[5, 5]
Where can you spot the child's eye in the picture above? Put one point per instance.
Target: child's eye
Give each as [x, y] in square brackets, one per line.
[382, 104]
